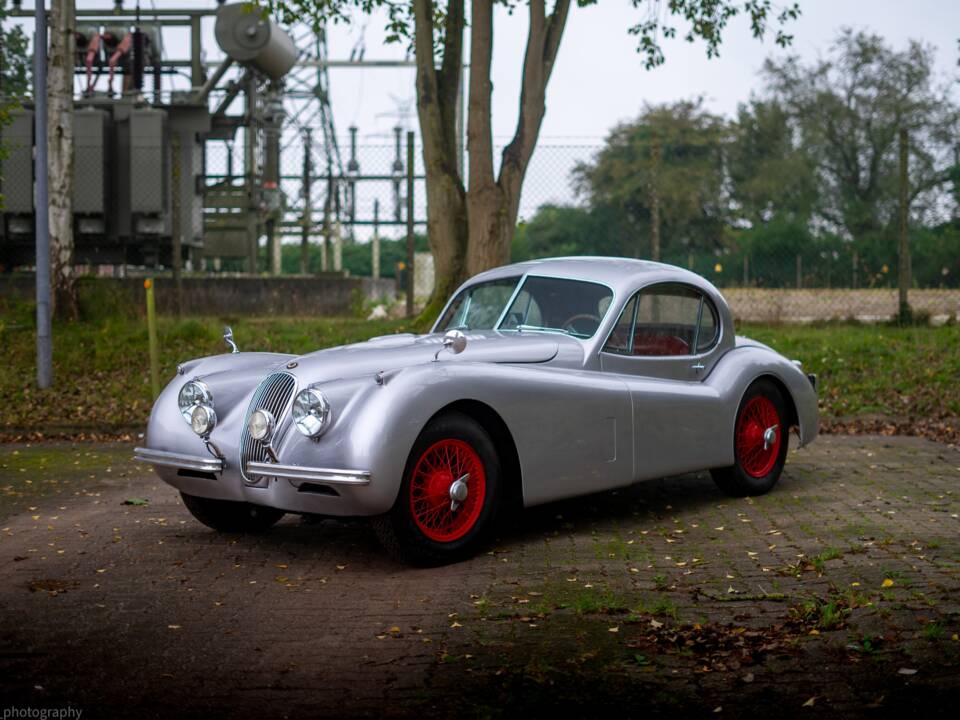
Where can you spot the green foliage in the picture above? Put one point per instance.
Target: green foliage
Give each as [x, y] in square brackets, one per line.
[357, 257]
[799, 188]
[675, 151]
[847, 110]
[14, 60]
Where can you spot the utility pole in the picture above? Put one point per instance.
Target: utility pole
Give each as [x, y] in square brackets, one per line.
[44, 335]
[656, 153]
[375, 258]
[410, 274]
[307, 219]
[903, 271]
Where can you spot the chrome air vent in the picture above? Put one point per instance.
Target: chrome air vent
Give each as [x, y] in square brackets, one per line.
[272, 394]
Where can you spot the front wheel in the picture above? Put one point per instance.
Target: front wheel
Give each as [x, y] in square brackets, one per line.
[449, 496]
[760, 441]
[231, 516]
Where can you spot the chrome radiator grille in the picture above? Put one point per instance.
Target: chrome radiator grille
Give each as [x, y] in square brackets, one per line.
[272, 394]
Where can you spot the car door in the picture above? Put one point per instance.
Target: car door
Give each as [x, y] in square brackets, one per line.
[663, 346]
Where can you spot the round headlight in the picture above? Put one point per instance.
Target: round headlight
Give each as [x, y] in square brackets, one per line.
[203, 419]
[192, 394]
[311, 412]
[261, 425]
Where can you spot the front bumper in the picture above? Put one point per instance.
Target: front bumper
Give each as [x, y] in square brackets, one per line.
[181, 461]
[293, 488]
[297, 474]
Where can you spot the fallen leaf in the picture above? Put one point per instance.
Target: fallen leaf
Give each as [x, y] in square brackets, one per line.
[136, 501]
[810, 702]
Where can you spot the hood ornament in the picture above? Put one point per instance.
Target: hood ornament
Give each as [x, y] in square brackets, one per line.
[228, 338]
[454, 341]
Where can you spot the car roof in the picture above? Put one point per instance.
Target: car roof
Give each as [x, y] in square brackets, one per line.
[622, 274]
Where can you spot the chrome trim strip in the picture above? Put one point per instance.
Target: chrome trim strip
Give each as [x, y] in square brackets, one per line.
[329, 476]
[178, 460]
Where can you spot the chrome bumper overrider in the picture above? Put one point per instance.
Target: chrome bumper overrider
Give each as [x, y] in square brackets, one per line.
[200, 463]
[297, 474]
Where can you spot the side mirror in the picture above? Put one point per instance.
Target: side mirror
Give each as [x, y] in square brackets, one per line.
[454, 341]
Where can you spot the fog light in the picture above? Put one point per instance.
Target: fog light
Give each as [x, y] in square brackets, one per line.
[203, 419]
[261, 425]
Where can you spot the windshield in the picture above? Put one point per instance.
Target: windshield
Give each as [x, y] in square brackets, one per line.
[542, 303]
[571, 306]
[479, 306]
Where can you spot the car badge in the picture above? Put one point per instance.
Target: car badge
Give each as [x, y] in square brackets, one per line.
[291, 365]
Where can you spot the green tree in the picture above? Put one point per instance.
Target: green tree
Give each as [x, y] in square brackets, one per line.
[557, 230]
[14, 61]
[663, 176]
[847, 110]
[770, 175]
[471, 220]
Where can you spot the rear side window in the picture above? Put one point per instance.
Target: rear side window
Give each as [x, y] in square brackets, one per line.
[670, 319]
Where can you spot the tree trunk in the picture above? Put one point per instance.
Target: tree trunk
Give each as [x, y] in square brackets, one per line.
[60, 158]
[437, 93]
[493, 204]
[472, 230]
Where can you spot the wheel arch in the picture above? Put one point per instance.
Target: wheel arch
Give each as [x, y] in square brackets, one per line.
[490, 420]
[793, 417]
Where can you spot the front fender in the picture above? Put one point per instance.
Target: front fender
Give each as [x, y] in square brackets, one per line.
[569, 427]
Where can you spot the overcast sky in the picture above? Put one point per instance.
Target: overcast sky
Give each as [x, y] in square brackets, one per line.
[599, 78]
[598, 81]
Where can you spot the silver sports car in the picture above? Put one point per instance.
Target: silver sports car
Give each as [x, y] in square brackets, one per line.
[539, 381]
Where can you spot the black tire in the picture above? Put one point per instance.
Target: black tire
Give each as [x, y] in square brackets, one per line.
[399, 531]
[230, 516]
[758, 475]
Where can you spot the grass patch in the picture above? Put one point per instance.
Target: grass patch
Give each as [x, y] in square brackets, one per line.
[933, 631]
[874, 369]
[102, 372]
[102, 376]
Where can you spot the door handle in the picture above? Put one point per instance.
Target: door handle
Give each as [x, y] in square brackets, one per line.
[698, 367]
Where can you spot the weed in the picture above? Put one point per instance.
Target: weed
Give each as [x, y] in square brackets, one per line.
[933, 631]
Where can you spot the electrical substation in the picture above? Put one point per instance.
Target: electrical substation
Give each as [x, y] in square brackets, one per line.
[185, 164]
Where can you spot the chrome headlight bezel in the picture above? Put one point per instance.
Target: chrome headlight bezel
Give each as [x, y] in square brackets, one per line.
[193, 393]
[311, 412]
[203, 419]
[262, 425]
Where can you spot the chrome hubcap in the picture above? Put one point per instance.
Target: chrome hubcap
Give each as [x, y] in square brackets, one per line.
[459, 491]
[769, 437]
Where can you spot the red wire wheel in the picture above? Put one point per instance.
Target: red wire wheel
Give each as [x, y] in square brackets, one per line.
[757, 416]
[431, 506]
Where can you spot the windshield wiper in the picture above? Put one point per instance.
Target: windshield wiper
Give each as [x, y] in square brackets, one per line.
[564, 331]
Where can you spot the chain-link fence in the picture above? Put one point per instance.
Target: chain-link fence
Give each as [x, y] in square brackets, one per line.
[823, 278]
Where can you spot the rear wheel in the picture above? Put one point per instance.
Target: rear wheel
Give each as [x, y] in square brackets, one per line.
[760, 441]
[449, 496]
[230, 516]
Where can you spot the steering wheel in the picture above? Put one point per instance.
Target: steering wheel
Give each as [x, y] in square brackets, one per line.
[569, 322]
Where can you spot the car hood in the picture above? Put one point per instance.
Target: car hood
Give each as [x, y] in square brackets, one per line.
[391, 352]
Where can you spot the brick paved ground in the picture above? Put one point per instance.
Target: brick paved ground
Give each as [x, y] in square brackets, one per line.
[836, 595]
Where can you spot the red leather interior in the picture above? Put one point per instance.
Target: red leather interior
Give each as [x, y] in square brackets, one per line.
[648, 343]
[651, 343]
